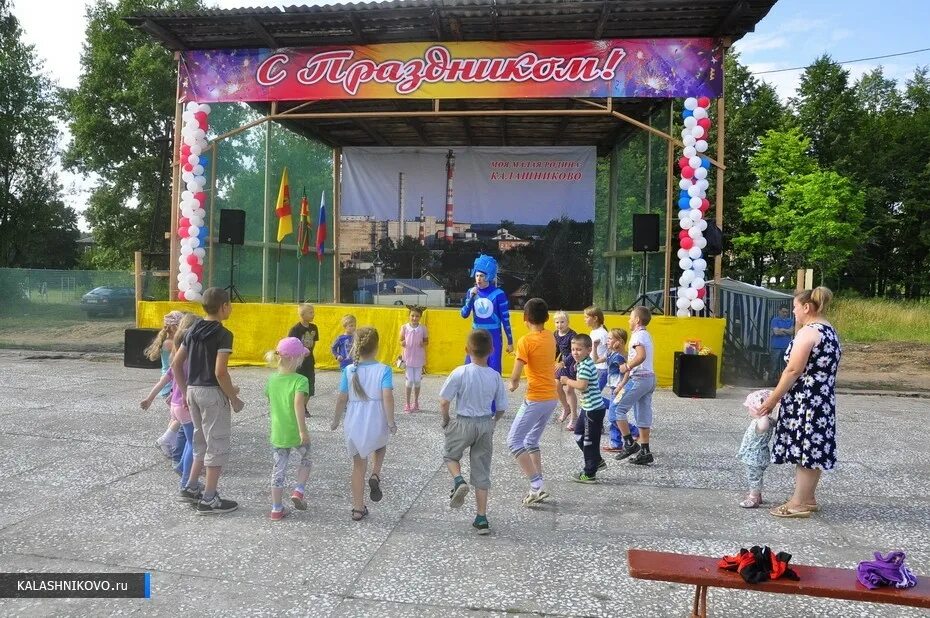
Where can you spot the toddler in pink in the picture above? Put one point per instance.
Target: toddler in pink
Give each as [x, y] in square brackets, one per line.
[413, 340]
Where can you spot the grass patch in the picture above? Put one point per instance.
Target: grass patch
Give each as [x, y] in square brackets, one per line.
[868, 320]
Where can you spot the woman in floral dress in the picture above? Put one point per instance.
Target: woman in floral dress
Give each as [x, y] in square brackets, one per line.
[805, 434]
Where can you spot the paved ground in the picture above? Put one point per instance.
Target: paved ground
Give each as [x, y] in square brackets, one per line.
[83, 489]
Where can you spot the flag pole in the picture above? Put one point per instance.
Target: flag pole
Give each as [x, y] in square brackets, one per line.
[319, 264]
[277, 273]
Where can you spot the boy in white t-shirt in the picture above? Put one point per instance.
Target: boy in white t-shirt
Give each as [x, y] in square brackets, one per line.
[637, 395]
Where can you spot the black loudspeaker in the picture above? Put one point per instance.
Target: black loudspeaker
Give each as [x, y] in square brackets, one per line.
[135, 340]
[232, 226]
[714, 238]
[645, 232]
[695, 375]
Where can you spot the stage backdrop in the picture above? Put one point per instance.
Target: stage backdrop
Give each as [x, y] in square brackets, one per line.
[258, 327]
[527, 185]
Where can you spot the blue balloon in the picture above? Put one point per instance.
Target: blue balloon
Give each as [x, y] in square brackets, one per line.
[683, 195]
[684, 203]
[204, 161]
[705, 163]
[686, 113]
[204, 232]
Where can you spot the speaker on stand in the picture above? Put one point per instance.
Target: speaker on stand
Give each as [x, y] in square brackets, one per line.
[232, 233]
[645, 240]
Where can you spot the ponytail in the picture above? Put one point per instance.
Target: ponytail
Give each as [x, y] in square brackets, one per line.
[366, 343]
[153, 352]
[820, 297]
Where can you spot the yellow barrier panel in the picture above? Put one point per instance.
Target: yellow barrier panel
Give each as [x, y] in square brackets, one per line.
[258, 327]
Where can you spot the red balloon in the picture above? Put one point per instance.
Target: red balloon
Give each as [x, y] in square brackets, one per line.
[203, 124]
[192, 259]
[201, 197]
[184, 222]
[705, 204]
[703, 102]
[683, 162]
[687, 242]
[200, 116]
[702, 292]
[181, 295]
[705, 124]
[687, 172]
[682, 234]
[183, 232]
[185, 151]
[188, 167]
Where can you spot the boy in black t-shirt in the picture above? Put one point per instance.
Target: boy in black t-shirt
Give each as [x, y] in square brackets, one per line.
[309, 334]
[209, 392]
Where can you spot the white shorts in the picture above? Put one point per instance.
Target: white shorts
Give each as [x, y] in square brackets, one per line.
[414, 375]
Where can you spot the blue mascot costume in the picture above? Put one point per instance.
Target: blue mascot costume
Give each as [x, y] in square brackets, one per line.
[488, 306]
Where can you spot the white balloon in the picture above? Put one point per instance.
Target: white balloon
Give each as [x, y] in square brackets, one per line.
[690, 151]
[194, 242]
[186, 242]
[697, 132]
[199, 134]
[184, 267]
[703, 184]
[702, 224]
[684, 184]
[184, 285]
[683, 313]
[682, 303]
[695, 162]
[700, 173]
[195, 220]
[197, 286]
[688, 140]
[198, 170]
[186, 195]
[700, 112]
[684, 263]
[193, 296]
[701, 243]
[690, 103]
[693, 191]
[193, 186]
[698, 283]
[696, 215]
[700, 146]
[683, 214]
[699, 264]
[694, 253]
[200, 212]
[690, 122]
[191, 124]
[196, 149]
[686, 223]
[193, 231]
[697, 304]
[187, 177]
[203, 107]
[192, 106]
[694, 233]
[686, 277]
[682, 254]
[187, 115]
[200, 252]
[685, 132]
[191, 277]
[694, 202]
[690, 293]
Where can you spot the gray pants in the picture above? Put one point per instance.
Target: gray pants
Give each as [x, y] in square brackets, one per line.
[281, 456]
[477, 435]
[754, 477]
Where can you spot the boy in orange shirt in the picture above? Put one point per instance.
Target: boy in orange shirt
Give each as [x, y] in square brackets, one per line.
[535, 352]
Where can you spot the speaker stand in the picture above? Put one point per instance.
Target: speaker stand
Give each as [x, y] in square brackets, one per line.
[643, 298]
[231, 288]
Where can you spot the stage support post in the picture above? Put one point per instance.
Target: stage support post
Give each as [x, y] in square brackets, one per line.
[718, 215]
[174, 242]
[138, 278]
[610, 295]
[669, 214]
[265, 227]
[337, 207]
[215, 147]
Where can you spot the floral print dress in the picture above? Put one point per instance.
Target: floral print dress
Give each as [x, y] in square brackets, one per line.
[805, 433]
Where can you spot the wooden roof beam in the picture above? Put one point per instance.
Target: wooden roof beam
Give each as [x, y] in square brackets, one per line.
[262, 33]
[365, 126]
[495, 21]
[455, 28]
[417, 126]
[503, 130]
[469, 134]
[356, 26]
[602, 20]
[158, 31]
[436, 20]
[737, 11]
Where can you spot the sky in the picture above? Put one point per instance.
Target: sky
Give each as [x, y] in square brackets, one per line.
[793, 34]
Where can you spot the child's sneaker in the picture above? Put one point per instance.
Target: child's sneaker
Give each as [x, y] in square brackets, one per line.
[581, 477]
[481, 525]
[408, 408]
[602, 465]
[459, 491]
[216, 506]
[277, 515]
[166, 449]
[535, 497]
[190, 495]
[627, 451]
[297, 497]
[642, 458]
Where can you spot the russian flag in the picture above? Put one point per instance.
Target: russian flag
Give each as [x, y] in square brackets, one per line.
[321, 229]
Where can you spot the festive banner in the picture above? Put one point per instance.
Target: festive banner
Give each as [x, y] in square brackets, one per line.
[481, 185]
[656, 68]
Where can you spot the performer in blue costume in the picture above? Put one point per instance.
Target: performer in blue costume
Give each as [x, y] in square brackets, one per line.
[489, 308]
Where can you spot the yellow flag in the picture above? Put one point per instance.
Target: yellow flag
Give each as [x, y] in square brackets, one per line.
[283, 208]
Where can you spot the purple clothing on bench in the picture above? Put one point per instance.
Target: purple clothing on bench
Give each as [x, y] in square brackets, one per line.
[885, 571]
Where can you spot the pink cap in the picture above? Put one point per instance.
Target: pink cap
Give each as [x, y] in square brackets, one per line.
[292, 348]
[173, 318]
[754, 401]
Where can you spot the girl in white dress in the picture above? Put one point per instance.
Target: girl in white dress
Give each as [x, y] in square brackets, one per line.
[366, 396]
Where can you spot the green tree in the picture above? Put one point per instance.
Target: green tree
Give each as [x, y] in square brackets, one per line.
[825, 105]
[120, 113]
[804, 215]
[36, 228]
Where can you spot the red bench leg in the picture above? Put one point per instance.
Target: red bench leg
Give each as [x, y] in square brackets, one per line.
[699, 608]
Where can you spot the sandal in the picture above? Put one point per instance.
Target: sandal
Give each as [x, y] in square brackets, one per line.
[751, 502]
[359, 514]
[813, 508]
[785, 512]
[374, 487]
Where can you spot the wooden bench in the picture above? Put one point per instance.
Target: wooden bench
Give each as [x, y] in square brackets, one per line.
[703, 573]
